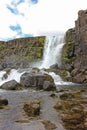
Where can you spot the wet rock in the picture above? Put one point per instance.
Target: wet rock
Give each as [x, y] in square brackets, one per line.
[73, 111]
[48, 86]
[53, 95]
[32, 108]
[35, 70]
[58, 106]
[67, 96]
[5, 76]
[37, 80]
[49, 125]
[3, 102]
[11, 85]
[54, 66]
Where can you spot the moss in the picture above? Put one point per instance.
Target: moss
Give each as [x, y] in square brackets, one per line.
[42, 40]
[68, 47]
[66, 51]
[49, 78]
[32, 108]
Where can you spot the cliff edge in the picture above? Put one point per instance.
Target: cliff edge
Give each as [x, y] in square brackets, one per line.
[19, 53]
[74, 55]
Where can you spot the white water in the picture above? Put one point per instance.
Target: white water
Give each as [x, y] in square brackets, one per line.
[52, 50]
[14, 75]
[58, 80]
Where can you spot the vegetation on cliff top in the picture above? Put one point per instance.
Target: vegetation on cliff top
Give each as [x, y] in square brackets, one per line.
[22, 49]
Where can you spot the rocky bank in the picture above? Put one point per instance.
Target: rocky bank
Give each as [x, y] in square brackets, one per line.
[19, 53]
[74, 54]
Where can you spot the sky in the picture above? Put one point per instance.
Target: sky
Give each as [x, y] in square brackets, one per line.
[26, 18]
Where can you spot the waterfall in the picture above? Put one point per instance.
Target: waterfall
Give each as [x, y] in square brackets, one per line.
[51, 55]
[52, 50]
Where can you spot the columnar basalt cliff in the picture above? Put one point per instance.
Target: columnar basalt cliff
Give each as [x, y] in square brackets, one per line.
[75, 50]
[21, 52]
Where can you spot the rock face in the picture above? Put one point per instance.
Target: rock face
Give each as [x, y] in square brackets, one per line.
[20, 52]
[75, 50]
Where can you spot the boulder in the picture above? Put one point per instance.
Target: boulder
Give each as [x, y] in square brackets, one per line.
[32, 108]
[36, 80]
[11, 85]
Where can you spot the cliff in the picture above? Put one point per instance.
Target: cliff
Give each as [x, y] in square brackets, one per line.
[74, 54]
[21, 52]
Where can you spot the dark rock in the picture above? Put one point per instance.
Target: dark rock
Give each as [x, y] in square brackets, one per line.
[32, 108]
[54, 66]
[11, 85]
[3, 102]
[67, 96]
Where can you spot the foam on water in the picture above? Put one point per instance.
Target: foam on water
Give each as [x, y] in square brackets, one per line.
[14, 75]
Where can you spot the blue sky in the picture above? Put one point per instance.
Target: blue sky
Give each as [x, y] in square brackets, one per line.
[23, 18]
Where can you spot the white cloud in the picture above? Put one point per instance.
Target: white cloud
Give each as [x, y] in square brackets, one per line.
[50, 15]
[54, 15]
[45, 16]
[6, 19]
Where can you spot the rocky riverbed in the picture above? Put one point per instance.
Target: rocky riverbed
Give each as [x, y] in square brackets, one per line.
[63, 109]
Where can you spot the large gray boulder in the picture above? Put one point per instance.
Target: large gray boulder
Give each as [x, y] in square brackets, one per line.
[36, 80]
[12, 85]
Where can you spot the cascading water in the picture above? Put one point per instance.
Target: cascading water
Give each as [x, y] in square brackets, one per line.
[51, 55]
[14, 74]
[52, 50]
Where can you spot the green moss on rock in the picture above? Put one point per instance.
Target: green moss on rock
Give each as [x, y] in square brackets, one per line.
[68, 49]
